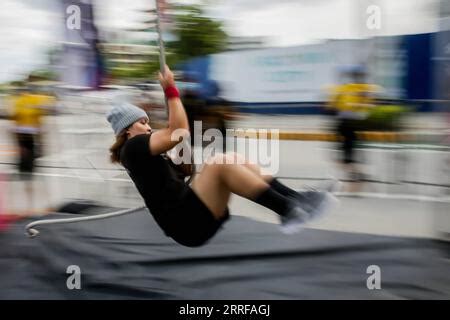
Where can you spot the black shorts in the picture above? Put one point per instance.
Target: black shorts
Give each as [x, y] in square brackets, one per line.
[190, 222]
[347, 130]
[27, 154]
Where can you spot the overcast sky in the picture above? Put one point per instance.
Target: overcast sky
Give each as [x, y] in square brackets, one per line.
[29, 27]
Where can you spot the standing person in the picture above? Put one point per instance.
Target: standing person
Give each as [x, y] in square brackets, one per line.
[28, 110]
[353, 102]
[192, 214]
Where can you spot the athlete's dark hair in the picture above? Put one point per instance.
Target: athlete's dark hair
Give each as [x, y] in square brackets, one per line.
[117, 146]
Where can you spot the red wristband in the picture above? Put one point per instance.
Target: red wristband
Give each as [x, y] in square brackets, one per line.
[171, 92]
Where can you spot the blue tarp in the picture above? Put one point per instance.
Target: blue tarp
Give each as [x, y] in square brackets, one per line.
[419, 82]
[197, 70]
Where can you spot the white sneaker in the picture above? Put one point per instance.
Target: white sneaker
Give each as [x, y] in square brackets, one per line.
[294, 220]
[310, 206]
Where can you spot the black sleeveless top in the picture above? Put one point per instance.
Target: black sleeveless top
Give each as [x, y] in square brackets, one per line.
[156, 180]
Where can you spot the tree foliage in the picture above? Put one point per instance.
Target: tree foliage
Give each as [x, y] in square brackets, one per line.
[193, 33]
[196, 35]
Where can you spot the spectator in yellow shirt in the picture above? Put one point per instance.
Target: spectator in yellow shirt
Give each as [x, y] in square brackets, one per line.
[28, 109]
[352, 103]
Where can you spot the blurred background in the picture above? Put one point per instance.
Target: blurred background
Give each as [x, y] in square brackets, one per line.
[358, 89]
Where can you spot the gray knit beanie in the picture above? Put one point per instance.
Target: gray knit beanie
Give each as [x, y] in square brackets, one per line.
[123, 115]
